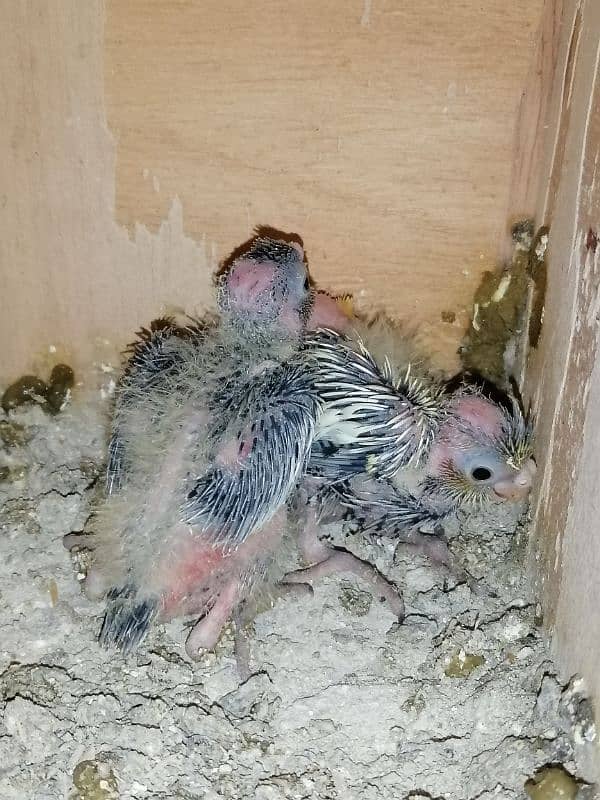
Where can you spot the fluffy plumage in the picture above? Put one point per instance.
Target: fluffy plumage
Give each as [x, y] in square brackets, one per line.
[212, 429]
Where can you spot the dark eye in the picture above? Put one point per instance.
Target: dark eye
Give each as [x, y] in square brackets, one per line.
[306, 284]
[481, 474]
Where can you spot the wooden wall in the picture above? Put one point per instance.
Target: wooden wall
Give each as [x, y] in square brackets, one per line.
[143, 139]
[564, 372]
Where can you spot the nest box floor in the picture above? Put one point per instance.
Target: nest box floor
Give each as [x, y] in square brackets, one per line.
[459, 702]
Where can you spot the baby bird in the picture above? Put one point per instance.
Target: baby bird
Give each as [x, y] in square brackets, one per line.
[482, 452]
[480, 456]
[212, 429]
[398, 448]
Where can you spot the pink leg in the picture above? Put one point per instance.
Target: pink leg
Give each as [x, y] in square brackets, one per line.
[205, 633]
[311, 547]
[326, 560]
[434, 547]
[343, 561]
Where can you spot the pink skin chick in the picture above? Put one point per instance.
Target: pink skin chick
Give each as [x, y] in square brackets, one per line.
[474, 456]
[327, 312]
[171, 559]
[225, 574]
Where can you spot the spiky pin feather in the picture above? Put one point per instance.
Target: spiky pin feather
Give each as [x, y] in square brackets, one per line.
[385, 415]
[379, 416]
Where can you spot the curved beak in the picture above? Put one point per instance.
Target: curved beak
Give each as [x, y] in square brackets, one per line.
[518, 487]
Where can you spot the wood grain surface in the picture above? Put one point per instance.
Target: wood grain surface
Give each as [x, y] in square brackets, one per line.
[381, 132]
[142, 140]
[564, 371]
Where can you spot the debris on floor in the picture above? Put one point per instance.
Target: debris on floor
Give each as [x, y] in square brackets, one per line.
[459, 702]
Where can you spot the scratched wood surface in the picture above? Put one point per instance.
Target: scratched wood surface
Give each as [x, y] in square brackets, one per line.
[143, 139]
[564, 371]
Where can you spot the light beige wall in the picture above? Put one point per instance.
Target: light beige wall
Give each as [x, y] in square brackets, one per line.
[71, 276]
[143, 139]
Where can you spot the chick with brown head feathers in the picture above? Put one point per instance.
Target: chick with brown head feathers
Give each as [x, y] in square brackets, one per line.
[212, 429]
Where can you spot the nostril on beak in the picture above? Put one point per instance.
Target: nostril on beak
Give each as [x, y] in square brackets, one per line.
[515, 489]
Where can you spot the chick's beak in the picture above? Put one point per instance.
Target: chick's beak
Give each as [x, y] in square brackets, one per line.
[518, 487]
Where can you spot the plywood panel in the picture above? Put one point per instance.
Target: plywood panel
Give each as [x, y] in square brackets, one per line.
[565, 371]
[381, 132]
[73, 283]
[142, 140]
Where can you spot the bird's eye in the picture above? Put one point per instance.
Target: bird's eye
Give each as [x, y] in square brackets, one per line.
[481, 474]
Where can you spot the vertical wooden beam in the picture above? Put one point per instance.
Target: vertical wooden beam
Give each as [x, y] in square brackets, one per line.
[564, 372]
[532, 118]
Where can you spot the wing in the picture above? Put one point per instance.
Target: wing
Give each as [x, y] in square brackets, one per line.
[380, 508]
[153, 362]
[373, 421]
[260, 457]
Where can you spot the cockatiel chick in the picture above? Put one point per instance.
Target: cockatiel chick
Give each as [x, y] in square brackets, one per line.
[385, 416]
[480, 456]
[212, 429]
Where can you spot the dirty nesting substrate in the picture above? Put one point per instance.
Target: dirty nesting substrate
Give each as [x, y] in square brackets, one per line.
[459, 702]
